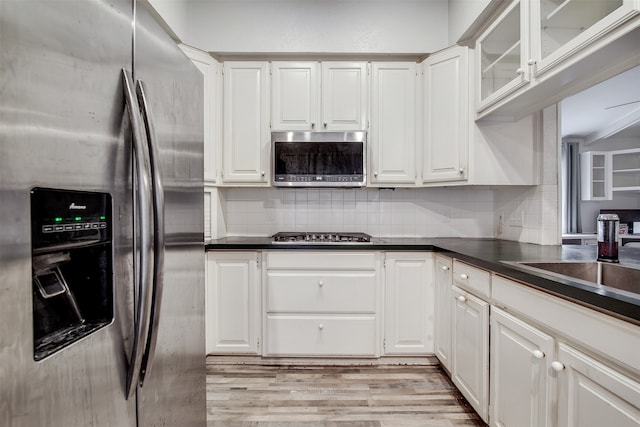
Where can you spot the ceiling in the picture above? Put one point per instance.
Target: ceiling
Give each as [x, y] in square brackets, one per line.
[606, 109]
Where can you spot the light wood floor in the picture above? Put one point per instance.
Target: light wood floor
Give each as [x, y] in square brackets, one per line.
[257, 392]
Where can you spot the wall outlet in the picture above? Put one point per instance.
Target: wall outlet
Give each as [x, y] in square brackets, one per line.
[517, 219]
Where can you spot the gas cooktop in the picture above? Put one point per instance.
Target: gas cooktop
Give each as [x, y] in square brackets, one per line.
[320, 237]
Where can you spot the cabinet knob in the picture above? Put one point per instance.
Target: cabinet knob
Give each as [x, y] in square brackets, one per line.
[464, 276]
[445, 268]
[321, 283]
[520, 71]
[262, 173]
[313, 125]
[537, 354]
[375, 173]
[461, 298]
[325, 125]
[557, 366]
[321, 326]
[531, 62]
[461, 171]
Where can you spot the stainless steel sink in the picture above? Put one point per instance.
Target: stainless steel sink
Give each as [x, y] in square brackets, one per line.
[620, 277]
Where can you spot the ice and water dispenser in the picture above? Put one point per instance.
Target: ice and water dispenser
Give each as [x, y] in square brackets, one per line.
[72, 267]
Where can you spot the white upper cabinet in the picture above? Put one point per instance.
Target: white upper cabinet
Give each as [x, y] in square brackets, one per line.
[392, 137]
[561, 28]
[295, 95]
[246, 123]
[533, 53]
[319, 96]
[344, 95]
[446, 115]
[211, 71]
[502, 52]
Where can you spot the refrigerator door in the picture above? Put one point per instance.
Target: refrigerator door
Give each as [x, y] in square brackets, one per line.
[63, 126]
[173, 386]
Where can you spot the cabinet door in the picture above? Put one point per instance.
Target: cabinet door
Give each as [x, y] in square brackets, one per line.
[246, 125]
[470, 349]
[591, 394]
[562, 28]
[212, 87]
[502, 52]
[393, 136]
[295, 95]
[521, 356]
[344, 95]
[443, 281]
[446, 115]
[409, 303]
[232, 302]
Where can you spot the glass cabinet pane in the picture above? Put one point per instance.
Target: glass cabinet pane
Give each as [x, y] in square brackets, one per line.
[563, 20]
[500, 54]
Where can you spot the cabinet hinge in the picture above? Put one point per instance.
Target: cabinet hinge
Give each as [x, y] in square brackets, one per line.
[384, 344]
[258, 259]
[258, 344]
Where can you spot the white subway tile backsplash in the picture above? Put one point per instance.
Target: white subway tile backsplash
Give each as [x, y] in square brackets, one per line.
[424, 212]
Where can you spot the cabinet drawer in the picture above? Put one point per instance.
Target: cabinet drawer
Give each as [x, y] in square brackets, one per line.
[321, 292]
[473, 279]
[317, 260]
[321, 335]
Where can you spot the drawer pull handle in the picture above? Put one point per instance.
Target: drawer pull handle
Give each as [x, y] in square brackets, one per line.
[461, 298]
[557, 366]
[321, 283]
[445, 268]
[537, 354]
[321, 326]
[464, 276]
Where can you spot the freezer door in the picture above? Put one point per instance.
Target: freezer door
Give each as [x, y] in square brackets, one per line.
[63, 126]
[173, 387]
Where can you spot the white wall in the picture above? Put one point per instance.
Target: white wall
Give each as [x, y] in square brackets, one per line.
[462, 13]
[175, 14]
[334, 26]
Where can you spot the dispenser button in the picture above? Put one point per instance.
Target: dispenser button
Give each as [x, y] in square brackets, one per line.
[47, 228]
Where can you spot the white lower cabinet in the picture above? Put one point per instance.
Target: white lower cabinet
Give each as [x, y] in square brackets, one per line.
[443, 280]
[322, 303]
[521, 357]
[591, 394]
[470, 349]
[575, 368]
[233, 302]
[409, 303]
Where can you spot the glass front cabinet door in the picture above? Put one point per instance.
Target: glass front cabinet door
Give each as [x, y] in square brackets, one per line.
[562, 28]
[503, 55]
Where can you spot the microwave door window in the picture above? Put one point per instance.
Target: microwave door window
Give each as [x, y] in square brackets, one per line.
[318, 158]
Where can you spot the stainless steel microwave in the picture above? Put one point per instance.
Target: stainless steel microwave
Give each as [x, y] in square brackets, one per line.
[319, 159]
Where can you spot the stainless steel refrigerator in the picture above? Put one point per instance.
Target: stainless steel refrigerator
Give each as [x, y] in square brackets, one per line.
[101, 218]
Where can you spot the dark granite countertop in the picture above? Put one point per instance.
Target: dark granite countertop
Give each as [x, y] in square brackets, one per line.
[491, 254]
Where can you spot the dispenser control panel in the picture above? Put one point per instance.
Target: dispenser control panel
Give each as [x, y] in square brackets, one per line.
[61, 217]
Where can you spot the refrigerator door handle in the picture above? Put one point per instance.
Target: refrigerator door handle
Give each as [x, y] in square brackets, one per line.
[143, 239]
[159, 240]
